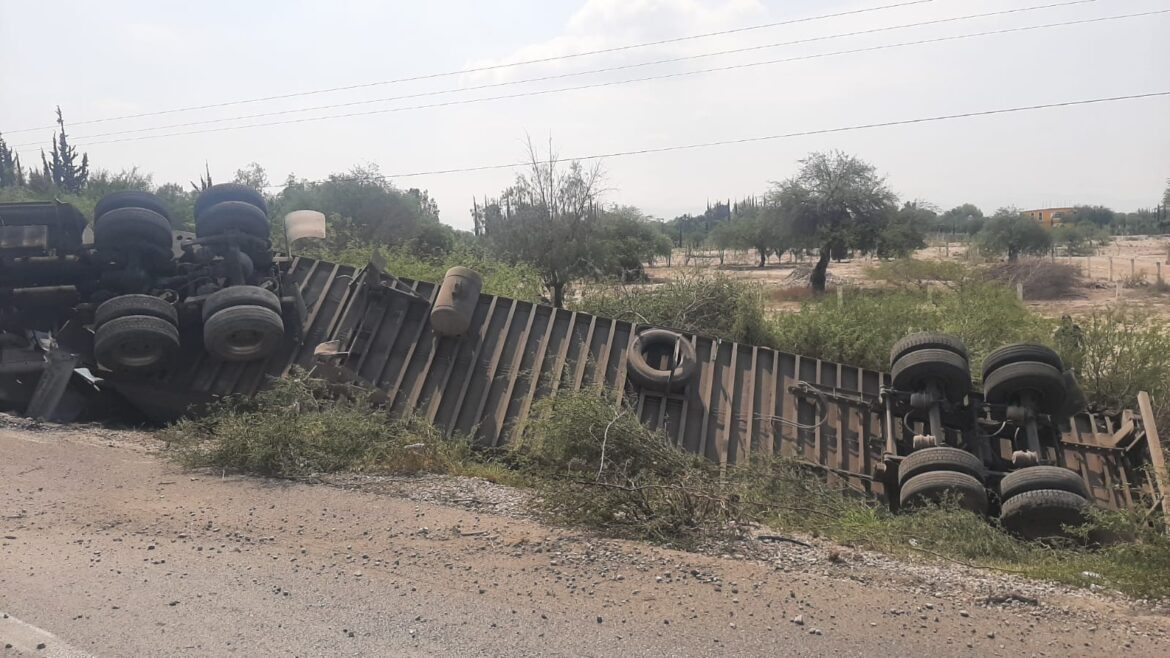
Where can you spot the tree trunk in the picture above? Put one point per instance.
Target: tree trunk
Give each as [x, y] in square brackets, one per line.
[1013, 254]
[816, 280]
[559, 295]
[763, 257]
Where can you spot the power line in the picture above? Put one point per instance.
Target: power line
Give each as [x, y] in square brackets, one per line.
[745, 140]
[628, 81]
[499, 67]
[609, 69]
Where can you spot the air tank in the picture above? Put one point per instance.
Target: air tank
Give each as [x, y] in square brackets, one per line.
[456, 301]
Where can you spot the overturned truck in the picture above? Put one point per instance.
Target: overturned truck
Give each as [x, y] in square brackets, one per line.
[124, 321]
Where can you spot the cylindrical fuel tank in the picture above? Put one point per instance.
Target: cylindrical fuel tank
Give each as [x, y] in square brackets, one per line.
[456, 301]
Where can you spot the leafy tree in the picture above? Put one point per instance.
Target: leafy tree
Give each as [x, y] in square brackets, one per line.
[1080, 239]
[966, 218]
[753, 225]
[903, 234]
[627, 239]
[1097, 215]
[836, 202]
[253, 175]
[63, 170]
[548, 218]
[101, 182]
[181, 202]
[11, 171]
[1010, 233]
[362, 205]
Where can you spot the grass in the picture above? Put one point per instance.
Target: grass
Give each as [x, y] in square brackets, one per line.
[595, 466]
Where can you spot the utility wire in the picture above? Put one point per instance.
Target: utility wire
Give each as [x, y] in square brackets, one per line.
[496, 67]
[745, 140]
[608, 69]
[623, 82]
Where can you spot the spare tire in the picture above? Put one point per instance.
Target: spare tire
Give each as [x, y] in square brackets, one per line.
[940, 458]
[925, 340]
[124, 305]
[121, 228]
[217, 194]
[1042, 514]
[1044, 382]
[222, 217]
[243, 333]
[652, 377]
[135, 343]
[131, 199]
[1034, 478]
[239, 296]
[935, 487]
[1020, 352]
[950, 371]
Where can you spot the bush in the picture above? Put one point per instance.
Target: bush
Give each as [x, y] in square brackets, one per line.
[1117, 353]
[863, 329]
[518, 280]
[301, 427]
[1042, 279]
[709, 305]
[914, 273]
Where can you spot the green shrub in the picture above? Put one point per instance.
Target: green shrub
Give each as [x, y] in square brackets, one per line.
[1117, 353]
[715, 306]
[518, 280]
[914, 273]
[862, 330]
[301, 427]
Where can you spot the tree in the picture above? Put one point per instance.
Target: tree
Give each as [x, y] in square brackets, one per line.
[363, 206]
[548, 218]
[1097, 215]
[63, 169]
[1010, 233]
[252, 175]
[1080, 239]
[835, 202]
[904, 233]
[11, 171]
[626, 240]
[965, 218]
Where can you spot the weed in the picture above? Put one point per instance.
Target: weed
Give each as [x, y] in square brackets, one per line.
[716, 306]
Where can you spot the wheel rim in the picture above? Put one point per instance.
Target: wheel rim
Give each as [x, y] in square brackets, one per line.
[138, 353]
[245, 343]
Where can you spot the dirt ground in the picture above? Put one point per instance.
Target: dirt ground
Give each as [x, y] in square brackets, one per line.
[1134, 262]
[108, 549]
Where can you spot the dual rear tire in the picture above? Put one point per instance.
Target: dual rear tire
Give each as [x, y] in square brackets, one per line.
[135, 334]
[242, 323]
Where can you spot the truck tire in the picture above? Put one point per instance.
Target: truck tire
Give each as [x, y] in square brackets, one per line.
[217, 194]
[124, 305]
[243, 333]
[131, 199]
[925, 340]
[135, 343]
[1018, 352]
[1034, 478]
[937, 486]
[239, 296]
[1044, 382]
[653, 377]
[1042, 514]
[222, 217]
[950, 371]
[940, 458]
[120, 228]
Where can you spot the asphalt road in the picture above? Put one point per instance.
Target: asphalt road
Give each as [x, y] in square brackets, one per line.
[106, 549]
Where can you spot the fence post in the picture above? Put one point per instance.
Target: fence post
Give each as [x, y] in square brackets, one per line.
[1020, 291]
[840, 297]
[1132, 271]
[1089, 267]
[1159, 264]
[1111, 268]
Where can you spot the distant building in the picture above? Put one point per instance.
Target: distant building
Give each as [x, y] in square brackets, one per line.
[1048, 216]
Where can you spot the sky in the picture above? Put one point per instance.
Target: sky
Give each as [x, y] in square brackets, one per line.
[100, 61]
